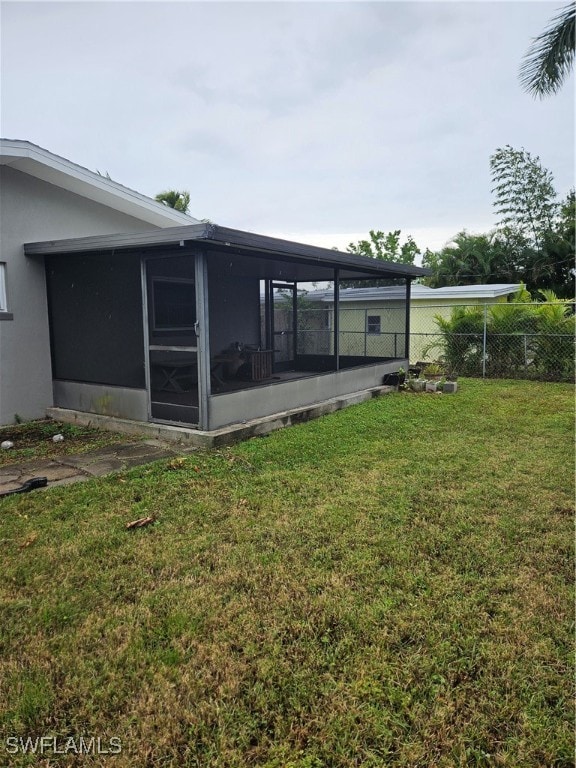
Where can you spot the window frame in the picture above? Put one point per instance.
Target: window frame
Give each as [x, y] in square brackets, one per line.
[4, 313]
[371, 321]
[159, 327]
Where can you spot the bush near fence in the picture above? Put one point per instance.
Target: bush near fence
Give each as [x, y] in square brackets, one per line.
[512, 340]
[521, 339]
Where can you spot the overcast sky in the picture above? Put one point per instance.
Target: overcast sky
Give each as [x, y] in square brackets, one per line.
[311, 120]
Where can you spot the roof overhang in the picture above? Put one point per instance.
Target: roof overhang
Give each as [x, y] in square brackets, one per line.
[35, 161]
[224, 240]
[420, 293]
[475, 291]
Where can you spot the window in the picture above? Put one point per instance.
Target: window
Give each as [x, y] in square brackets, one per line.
[174, 304]
[3, 300]
[373, 324]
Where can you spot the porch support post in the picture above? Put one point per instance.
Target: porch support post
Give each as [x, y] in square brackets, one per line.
[407, 329]
[203, 339]
[144, 285]
[295, 320]
[270, 326]
[268, 342]
[337, 318]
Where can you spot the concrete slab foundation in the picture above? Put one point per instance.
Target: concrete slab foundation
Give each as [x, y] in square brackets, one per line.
[194, 438]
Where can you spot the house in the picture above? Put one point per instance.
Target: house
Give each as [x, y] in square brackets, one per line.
[43, 196]
[119, 307]
[367, 315]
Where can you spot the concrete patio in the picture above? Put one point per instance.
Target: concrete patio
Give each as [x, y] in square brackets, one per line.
[80, 467]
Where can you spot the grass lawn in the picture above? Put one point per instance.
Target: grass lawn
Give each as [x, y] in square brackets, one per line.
[390, 585]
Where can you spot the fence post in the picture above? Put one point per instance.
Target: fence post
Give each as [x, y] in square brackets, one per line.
[484, 342]
[525, 354]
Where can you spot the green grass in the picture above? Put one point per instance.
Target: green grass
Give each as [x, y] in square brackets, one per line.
[33, 440]
[390, 585]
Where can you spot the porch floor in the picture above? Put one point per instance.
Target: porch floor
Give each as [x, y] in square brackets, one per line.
[234, 385]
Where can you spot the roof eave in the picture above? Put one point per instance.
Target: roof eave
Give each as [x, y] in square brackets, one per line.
[38, 162]
[289, 247]
[224, 237]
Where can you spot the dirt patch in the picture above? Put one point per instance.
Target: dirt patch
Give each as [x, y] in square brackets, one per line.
[34, 439]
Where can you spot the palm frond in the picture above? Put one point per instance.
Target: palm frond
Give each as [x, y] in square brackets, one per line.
[550, 56]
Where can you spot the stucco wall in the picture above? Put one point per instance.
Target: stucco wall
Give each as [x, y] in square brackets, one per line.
[33, 210]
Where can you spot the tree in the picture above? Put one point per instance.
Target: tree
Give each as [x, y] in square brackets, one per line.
[535, 229]
[550, 56]
[552, 267]
[493, 258]
[471, 259]
[383, 247]
[533, 243]
[525, 198]
[173, 198]
[386, 247]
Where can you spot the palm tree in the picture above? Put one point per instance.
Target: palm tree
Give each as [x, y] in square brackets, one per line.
[466, 259]
[550, 56]
[180, 201]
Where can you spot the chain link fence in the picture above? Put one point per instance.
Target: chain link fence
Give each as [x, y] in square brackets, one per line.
[368, 332]
[498, 340]
[379, 333]
[504, 340]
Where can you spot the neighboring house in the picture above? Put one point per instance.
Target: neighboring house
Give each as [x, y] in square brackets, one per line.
[119, 306]
[368, 315]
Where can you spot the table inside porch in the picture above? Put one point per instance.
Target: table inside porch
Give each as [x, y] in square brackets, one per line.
[175, 373]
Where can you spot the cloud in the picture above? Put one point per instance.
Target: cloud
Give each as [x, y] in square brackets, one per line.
[311, 117]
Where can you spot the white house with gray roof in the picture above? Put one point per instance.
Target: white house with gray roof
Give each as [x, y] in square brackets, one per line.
[43, 197]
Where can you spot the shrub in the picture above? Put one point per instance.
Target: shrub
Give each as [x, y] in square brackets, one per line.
[524, 338]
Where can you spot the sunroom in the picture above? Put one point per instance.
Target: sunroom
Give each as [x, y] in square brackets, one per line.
[203, 326]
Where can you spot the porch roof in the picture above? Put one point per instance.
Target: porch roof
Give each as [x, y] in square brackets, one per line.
[307, 262]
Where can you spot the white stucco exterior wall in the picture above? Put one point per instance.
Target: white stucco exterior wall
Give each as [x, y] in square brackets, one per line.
[34, 210]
